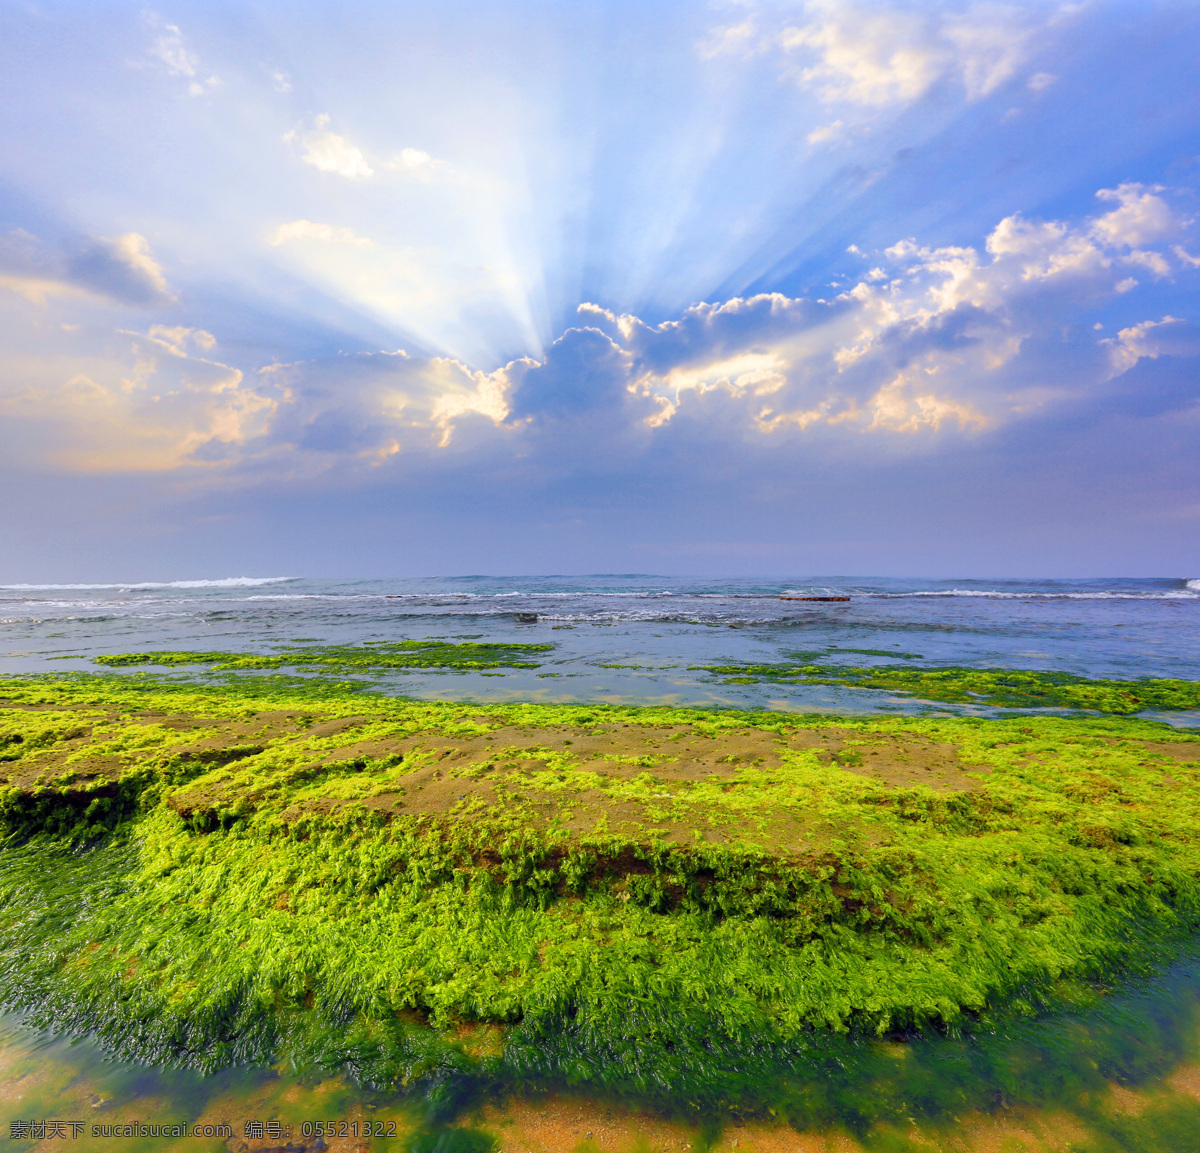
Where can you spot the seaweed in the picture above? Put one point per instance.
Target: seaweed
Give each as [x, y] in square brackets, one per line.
[661, 902]
[1004, 688]
[374, 656]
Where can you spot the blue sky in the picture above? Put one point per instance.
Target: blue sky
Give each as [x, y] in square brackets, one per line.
[726, 288]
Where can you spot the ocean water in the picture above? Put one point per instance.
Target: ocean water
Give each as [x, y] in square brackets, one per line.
[631, 638]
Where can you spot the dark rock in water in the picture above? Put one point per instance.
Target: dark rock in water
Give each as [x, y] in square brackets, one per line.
[525, 618]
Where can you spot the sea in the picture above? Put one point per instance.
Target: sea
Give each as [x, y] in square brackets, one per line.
[631, 638]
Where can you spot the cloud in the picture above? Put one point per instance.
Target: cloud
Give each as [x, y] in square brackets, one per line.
[123, 270]
[584, 369]
[415, 162]
[929, 339]
[176, 339]
[460, 392]
[882, 59]
[741, 39]
[825, 133]
[879, 55]
[122, 407]
[27, 268]
[170, 53]
[928, 346]
[1154, 262]
[329, 152]
[1141, 217]
[1151, 339]
[414, 158]
[312, 230]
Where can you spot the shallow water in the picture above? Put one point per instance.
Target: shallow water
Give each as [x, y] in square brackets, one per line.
[654, 627]
[1122, 1075]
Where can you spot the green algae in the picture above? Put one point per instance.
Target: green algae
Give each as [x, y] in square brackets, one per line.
[213, 874]
[893, 1094]
[374, 656]
[1004, 688]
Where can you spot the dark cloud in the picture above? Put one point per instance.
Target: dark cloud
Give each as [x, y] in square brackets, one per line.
[122, 269]
[584, 369]
[1156, 387]
[339, 432]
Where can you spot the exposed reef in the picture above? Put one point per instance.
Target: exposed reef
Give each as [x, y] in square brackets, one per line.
[651, 899]
[375, 656]
[1003, 688]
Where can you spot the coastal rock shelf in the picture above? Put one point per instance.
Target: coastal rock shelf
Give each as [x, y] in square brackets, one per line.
[630, 897]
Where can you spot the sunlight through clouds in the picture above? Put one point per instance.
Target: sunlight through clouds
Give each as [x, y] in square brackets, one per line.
[926, 344]
[521, 248]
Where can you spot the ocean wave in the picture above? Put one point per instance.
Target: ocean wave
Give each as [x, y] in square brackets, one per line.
[131, 586]
[534, 595]
[1070, 596]
[1194, 585]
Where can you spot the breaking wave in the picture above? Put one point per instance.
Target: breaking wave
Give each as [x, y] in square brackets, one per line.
[996, 594]
[130, 586]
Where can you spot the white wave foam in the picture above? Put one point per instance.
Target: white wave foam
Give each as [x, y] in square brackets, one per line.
[997, 595]
[224, 583]
[1194, 585]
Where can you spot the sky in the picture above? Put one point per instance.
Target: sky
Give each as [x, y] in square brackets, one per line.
[732, 288]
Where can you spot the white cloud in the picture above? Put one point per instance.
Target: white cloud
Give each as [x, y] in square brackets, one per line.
[1040, 81]
[329, 152]
[170, 53]
[848, 52]
[414, 158]
[460, 391]
[825, 133]
[168, 50]
[1042, 249]
[415, 161]
[1154, 262]
[989, 42]
[759, 373]
[876, 59]
[907, 403]
[1150, 340]
[1142, 217]
[176, 338]
[123, 407]
[740, 39]
[312, 230]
